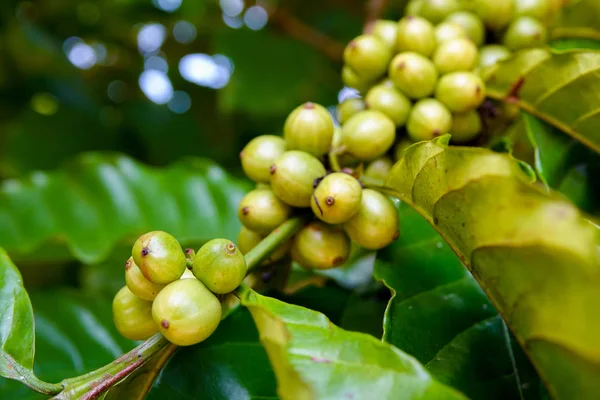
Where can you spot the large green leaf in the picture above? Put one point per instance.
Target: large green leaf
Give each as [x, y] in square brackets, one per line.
[534, 254]
[579, 18]
[440, 315]
[561, 89]
[16, 324]
[74, 335]
[312, 358]
[231, 364]
[98, 200]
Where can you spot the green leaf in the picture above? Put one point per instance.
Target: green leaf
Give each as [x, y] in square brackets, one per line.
[574, 44]
[440, 315]
[16, 324]
[534, 254]
[231, 364]
[578, 19]
[560, 89]
[312, 358]
[74, 335]
[96, 201]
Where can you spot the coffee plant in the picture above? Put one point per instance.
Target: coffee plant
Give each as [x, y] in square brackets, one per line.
[432, 236]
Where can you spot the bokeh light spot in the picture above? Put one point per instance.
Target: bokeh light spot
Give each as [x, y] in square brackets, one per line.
[82, 55]
[167, 5]
[204, 70]
[44, 103]
[184, 32]
[256, 18]
[151, 37]
[232, 8]
[156, 86]
[180, 102]
[156, 62]
[233, 22]
[117, 91]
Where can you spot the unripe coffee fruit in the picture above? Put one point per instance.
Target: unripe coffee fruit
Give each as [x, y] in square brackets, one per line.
[495, 14]
[293, 176]
[448, 31]
[308, 128]
[401, 146]
[465, 127]
[336, 198]
[348, 108]
[368, 56]
[375, 225]
[455, 55]
[220, 265]
[471, 23]
[368, 134]
[390, 101]
[321, 246]
[413, 74]
[524, 33]
[492, 54]
[262, 211]
[379, 169]
[538, 9]
[428, 119]
[138, 284]
[159, 256]
[460, 91]
[259, 154]
[133, 316]
[351, 79]
[436, 10]
[414, 7]
[386, 31]
[186, 312]
[415, 34]
[248, 239]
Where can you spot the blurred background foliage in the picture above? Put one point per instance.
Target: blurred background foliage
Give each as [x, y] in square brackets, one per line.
[162, 79]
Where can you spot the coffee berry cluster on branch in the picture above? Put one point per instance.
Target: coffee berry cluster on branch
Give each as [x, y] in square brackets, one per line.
[423, 72]
[173, 292]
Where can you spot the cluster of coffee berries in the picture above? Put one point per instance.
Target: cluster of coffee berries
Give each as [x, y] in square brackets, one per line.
[421, 75]
[175, 292]
[294, 173]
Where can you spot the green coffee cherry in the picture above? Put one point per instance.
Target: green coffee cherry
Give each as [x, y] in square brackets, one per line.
[448, 31]
[259, 154]
[159, 256]
[471, 23]
[320, 246]
[368, 56]
[390, 101]
[379, 169]
[386, 31]
[248, 239]
[492, 54]
[138, 284]
[220, 265]
[133, 316]
[413, 74]
[336, 198]
[186, 312]
[465, 127]
[538, 9]
[460, 91]
[455, 55]
[525, 32]
[495, 14]
[260, 210]
[293, 176]
[375, 225]
[415, 34]
[402, 145]
[436, 10]
[348, 108]
[368, 134]
[414, 7]
[309, 128]
[351, 79]
[428, 119]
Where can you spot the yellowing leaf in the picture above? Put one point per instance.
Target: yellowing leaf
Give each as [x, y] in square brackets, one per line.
[534, 254]
[312, 358]
[562, 89]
